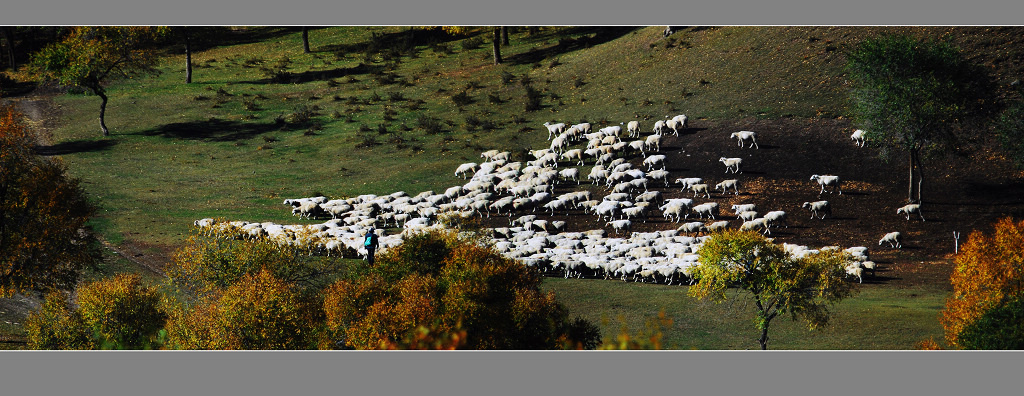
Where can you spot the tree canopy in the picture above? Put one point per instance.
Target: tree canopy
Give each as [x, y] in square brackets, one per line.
[914, 96]
[988, 273]
[805, 288]
[91, 56]
[44, 242]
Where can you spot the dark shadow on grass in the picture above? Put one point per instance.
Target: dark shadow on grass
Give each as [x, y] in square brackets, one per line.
[590, 36]
[319, 75]
[206, 37]
[213, 130]
[75, 146]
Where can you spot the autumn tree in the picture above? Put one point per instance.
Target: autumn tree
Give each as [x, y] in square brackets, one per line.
[1000, 328]
[439, 283]
[777, 283]
[44, 242]
[91, 56]
[988, 274]
[913, 96]
[258, 311]
[114, 313]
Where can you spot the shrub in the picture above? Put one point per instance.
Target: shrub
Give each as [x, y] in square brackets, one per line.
[533, 99]
[56, 326]
[122, 312]
[507, 78]
[447, 284]
[430, 125]
[462, 99]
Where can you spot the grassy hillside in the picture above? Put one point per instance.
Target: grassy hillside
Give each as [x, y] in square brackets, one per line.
[382, 109]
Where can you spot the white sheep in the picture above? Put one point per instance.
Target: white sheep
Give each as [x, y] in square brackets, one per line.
[620, 225]
[747, 215]
[681, 119]
[718, 226]
[692, 227]
[674, 125]
[732, 164]
[828, 180]
[893, 238]
[655, 160]
[688, 181]
[653, 141]
[659, 127]
[740, 208]
[708, 208]
[776, 218]
[819, 206]
[727, 184]
[574, 153]
[754, 224]
[744, 136]
[554, 129]
[659, 174]
[570, 174]
[465, 168]
[858, 137]
[700, 188]
[633, 128]
[909, 209]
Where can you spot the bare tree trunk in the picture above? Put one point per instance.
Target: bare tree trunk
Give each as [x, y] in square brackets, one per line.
[504, 35]
[188, 57]
[497, 46]
[103, 111]
[305, 40]
[920, 175]
[9, 38]
[910, 186]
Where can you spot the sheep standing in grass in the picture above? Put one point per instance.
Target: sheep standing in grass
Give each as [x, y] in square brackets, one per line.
[858, 137]
[745, 136]
[554, 129]
[653, 143]
[910, 209]
[822, 207]
[633, 128]
[828, 180]
[893, 238]
[654, 160]
[732, 164]
[463, 169]
[620, 225]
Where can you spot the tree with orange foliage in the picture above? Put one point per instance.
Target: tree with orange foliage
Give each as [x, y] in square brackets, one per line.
[989, 273]
[437, 289]
[44, 243]
[91, 56]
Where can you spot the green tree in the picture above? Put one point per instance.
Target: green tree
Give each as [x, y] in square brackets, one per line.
[777, 283]
[90, 57]
[914, 96]
[998, 328]
[121, 312]
[44, 243]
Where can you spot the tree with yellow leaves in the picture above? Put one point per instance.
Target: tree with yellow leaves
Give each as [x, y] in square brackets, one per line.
[988, 274]
[778, 284]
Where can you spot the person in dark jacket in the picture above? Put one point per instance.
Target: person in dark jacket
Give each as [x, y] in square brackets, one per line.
[370, 244]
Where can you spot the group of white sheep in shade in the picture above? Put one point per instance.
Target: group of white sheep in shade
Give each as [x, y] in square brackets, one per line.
[518, 189]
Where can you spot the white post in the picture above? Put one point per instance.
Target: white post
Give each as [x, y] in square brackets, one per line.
[956, 242]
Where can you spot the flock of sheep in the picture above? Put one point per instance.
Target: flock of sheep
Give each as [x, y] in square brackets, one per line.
[525, 190]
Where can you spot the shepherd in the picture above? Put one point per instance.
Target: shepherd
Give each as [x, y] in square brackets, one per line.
[370, 244]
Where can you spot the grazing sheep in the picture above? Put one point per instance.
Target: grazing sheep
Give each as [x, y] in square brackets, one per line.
[655, 160]
[693, 227]
[747, 216]
[659, 174]
[574, 153]
[744, 136]
[620, 225]
[700, 188]
[718, 226]
[708, 208]
[681, 119]
[653, 141]
[819, 206]
[674, 125]
[570, 174]
[554, 129]
[726, 184]
[740, 208]
[776, 218]
[828, 180]
[855, 269]
[688, 181]
[909, 209]
[633, 128]
[893, 238]
[858, 137]
[659, 127]
[754, 224]
[731, 164]
[465, 168]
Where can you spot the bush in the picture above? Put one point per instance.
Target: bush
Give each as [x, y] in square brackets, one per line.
[462, 99]
[438, 283]
[430, 125]
[533, 99]
[121, 312]
[56, 326]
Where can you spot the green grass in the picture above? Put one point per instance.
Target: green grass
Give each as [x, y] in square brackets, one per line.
[878, 317]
